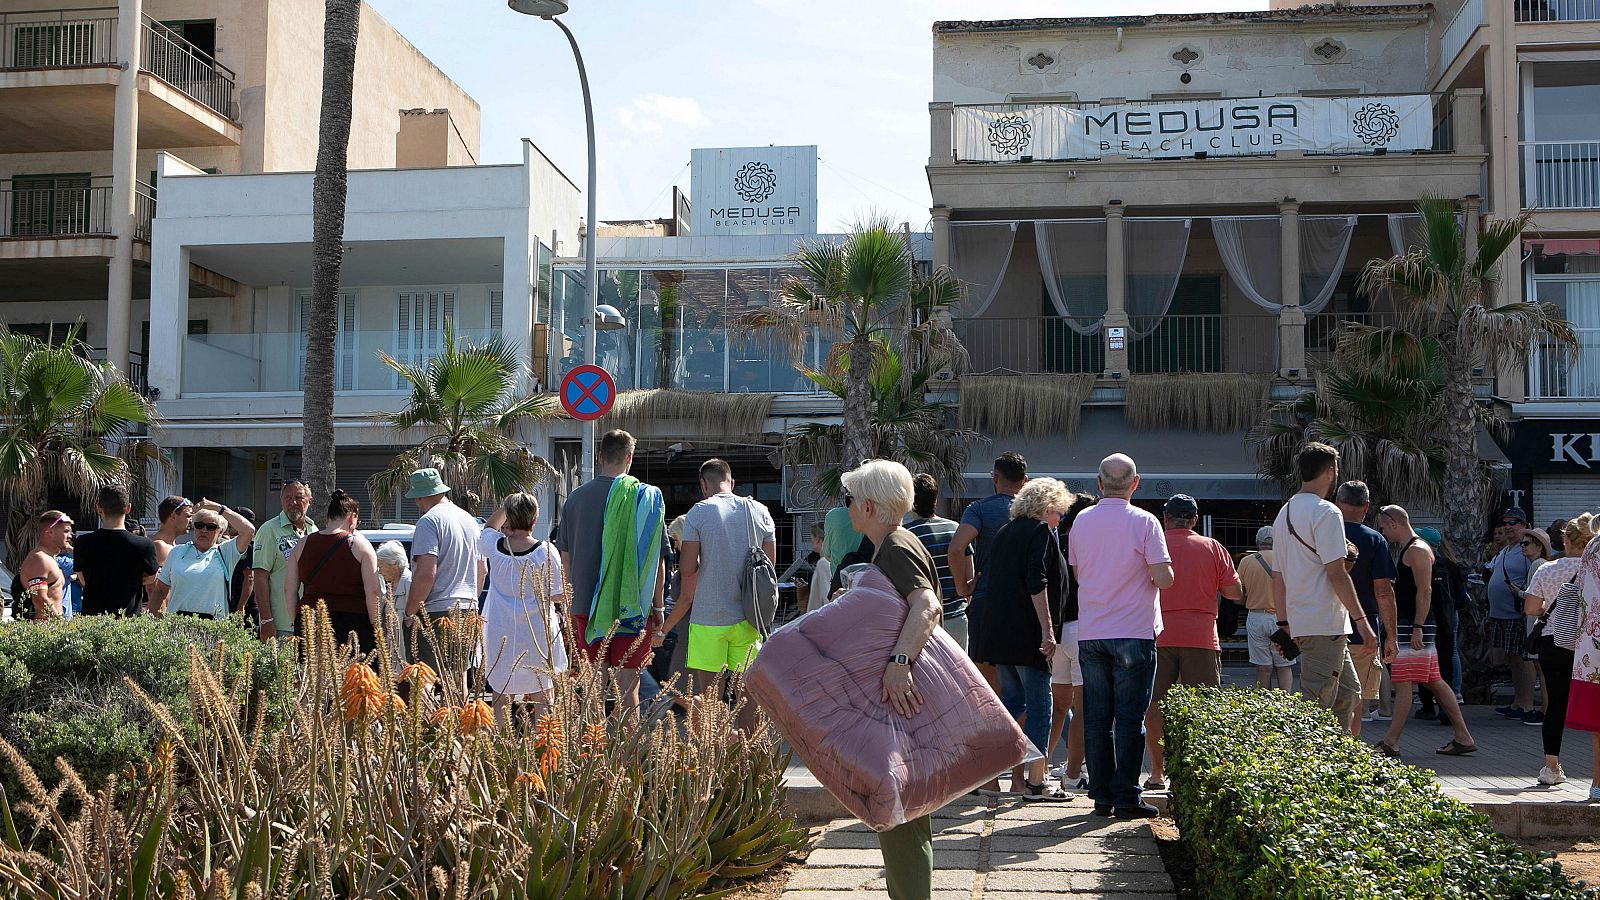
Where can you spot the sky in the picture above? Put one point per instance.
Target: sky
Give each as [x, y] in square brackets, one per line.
[853, 77]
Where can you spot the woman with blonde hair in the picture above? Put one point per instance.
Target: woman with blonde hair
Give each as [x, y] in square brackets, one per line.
[1027, 582]
[1556, 662]
[522, 634]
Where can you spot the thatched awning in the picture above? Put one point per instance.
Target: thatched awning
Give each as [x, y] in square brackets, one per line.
[710, 414]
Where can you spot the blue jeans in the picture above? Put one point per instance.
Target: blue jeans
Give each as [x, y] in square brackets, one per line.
[1118, 677]
[1026, 689]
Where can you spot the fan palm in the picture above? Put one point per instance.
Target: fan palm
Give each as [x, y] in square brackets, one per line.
[903, 426]
[61, 417]
[341, 24]
[864, 287]
[466, 399]
[1443, 289]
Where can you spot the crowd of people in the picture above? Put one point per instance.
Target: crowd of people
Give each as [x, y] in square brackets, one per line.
[1082, 611]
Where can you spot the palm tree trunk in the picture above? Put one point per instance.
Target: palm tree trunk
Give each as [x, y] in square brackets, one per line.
[1462, 485]
[340, 26]
[858, 443]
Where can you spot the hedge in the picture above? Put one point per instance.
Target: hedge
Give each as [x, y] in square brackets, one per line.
[64, 684]
[1275, 800]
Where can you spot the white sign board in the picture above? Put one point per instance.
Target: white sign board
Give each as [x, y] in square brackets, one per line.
[1237, 127]
[753, 190]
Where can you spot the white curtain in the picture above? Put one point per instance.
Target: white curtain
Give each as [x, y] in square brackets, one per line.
[1324, 244]
[1155, 252]
[1251, 251]
[979, 255]
[1072, 258]
[1405, 233]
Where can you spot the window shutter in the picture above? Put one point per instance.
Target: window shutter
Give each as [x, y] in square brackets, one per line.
[497, 311]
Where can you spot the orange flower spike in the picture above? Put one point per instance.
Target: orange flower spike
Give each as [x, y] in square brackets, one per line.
[594, 740]
[361, 693]
[547, 732]
[549, 758]
[443, 714]
[399, 704]
[419, 673]
[532, 781]
[475, 715]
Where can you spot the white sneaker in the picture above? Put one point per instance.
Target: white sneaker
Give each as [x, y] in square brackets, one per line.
[1375, 716]
[1551, 776]
[1058, 771]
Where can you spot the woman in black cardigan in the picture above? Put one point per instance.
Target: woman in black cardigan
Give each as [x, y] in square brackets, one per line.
[1027, 578]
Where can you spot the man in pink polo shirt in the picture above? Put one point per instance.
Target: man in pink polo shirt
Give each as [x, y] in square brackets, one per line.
[1187, 652]
[1120, 556]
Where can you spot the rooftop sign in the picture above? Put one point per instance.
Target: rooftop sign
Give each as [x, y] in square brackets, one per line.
[753, 190]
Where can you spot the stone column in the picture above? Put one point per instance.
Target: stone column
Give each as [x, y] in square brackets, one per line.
[1291, 319]
[124, 176]
[1466, 111]
[941, 236]
[1116, 288]
[941, 146]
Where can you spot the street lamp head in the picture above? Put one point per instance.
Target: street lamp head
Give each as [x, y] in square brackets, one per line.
[608, 318]
[544, 9]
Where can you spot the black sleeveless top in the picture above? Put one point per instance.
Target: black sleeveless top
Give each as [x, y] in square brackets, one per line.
[1405, 588]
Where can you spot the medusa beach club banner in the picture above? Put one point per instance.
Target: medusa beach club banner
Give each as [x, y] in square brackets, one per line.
[1008, 132]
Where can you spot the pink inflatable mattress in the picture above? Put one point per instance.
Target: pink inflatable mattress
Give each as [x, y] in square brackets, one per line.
[820, 680]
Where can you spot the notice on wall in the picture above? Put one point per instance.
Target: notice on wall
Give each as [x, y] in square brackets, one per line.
[753, 190]
[1008, 132]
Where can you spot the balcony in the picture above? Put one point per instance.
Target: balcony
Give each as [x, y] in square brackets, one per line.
[1244, 343]
[1553, 375]
[275, 362]
[694, 359]
[1557, 10]
[1468, 19]
[53, 207]
[1561, 174]
[59, 70]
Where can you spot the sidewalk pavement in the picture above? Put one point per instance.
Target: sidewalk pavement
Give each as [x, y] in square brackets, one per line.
[998, 849]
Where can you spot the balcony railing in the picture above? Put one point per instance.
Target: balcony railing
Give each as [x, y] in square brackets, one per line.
[70, 38]
[694, 359]
[1561, 174]
[166, 55]
[1467, 20]
[68, 207]
[1554, 375]
[138, 370]
[1176, 343]
[1032, 346]
[1557, 10]
[275, 362]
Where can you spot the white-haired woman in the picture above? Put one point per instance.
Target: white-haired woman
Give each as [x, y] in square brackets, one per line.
[522, 635]
[1027, 582]
[394, 567]
[878, 496]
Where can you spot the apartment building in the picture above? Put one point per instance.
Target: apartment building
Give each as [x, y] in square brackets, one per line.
[89, 96]
[1164, 217]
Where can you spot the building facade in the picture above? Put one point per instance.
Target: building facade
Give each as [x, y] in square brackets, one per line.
[90, 96]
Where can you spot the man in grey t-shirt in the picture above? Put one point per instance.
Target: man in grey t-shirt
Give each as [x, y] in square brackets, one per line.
[448, 572]
[717, 537]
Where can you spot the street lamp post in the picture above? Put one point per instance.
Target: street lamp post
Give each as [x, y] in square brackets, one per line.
[549, 10]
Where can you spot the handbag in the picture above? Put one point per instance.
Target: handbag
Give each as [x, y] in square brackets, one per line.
[758, 583]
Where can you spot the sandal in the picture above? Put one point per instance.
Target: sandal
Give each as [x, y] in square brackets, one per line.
[1456, 748]
[1155, 784]
[1040, 793]
[1384, 749]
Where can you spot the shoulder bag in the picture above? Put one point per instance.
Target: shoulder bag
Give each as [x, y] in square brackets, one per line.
[758, 582]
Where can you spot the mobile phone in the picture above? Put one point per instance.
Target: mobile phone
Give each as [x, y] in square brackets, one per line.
[1286, 644]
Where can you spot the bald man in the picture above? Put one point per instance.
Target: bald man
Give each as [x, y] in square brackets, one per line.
[1119, 554]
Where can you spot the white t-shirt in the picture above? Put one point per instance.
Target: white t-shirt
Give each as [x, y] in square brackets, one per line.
[1314, 609]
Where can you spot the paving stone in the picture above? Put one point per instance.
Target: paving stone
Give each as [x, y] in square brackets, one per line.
[810, 878]
[878, 894]
[1075, 862]
[1029, 895]
[829, 858]
[1030, 881]
[868, 840]
[1109, 880]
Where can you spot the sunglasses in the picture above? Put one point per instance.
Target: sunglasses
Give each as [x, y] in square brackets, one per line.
[1510, 523]
[206, 526]
[849, 499]
[1527, 543]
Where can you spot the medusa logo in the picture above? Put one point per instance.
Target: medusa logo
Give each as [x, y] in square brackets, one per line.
[755, 182]
[1010, 135]
[1376, 123]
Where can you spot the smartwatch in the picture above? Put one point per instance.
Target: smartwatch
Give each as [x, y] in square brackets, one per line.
[900, 659]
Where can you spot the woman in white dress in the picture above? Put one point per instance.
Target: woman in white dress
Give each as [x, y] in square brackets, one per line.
[522, 633]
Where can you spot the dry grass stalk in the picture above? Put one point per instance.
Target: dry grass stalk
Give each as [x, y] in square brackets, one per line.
[1203, 402]
[1035, 406]
[732, 415]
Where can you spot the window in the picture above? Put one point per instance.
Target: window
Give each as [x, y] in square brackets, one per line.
[200, 33]
[52, 333]
[53, 204]
[55, 44]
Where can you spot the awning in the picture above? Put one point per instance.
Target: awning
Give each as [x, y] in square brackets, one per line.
[1171, 461]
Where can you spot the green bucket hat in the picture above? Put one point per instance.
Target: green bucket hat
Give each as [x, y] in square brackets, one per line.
[426, 483]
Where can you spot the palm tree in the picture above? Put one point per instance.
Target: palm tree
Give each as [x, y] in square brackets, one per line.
[866, 288]
[340, 25]
[466, 398]
[61, 417]
[904, 426]
[1443, 289]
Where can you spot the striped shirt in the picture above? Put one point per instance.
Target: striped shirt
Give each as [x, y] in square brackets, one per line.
[935, 534]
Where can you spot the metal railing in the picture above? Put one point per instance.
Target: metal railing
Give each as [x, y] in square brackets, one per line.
[1032, 345]
[1557, 10]
[58, 38]
[693, 359]
[1467, 20]
[1203, 343]
[1561, 174]
[167, 55]
[65, 207]
[1554, 375]
[138, 368]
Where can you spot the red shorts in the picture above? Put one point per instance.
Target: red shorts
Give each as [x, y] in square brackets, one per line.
[626, 651]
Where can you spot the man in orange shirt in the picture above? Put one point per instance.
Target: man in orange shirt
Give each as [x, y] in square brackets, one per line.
[1187, 650]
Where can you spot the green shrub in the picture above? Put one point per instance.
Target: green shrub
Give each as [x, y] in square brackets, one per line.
[63, 691]
[1276, 800]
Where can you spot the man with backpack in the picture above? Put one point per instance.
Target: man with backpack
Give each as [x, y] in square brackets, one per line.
[1373, 576]
[1255, 581]
[718, 535]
